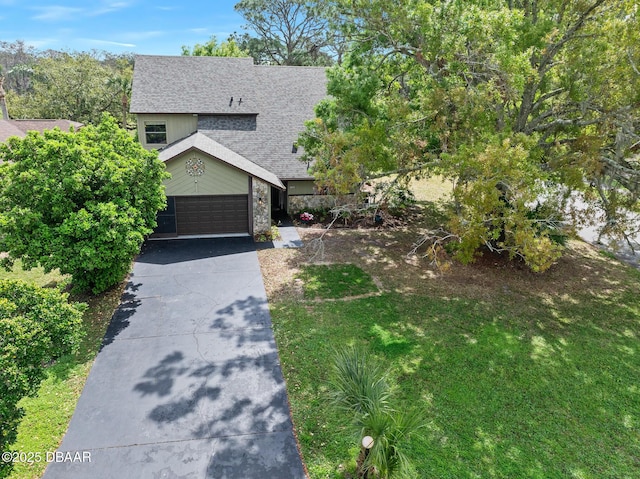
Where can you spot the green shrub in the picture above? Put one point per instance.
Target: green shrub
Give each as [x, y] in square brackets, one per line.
[37, 326]
[320, 215]
[79, 202]
[548, 220]
[396, 198]
[360, 389]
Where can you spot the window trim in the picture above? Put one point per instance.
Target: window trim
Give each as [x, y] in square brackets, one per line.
[149, 133]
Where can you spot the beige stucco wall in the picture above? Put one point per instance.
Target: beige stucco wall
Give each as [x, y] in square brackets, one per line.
[178, 127]
[300, 187]
[218, 178]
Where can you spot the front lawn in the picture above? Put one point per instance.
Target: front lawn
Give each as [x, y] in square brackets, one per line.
[520, 375]
[47, 415]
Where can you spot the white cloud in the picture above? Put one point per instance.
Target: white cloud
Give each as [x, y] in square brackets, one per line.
[108, 7]
[54, 13]
[107, 42]
[42, 43]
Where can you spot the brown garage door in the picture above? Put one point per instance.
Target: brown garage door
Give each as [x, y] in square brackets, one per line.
[212, 214]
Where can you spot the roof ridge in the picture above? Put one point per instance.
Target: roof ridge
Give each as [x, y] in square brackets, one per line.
[310, 67]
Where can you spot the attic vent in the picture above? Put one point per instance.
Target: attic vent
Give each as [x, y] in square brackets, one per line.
[231, 101]
[195, 167]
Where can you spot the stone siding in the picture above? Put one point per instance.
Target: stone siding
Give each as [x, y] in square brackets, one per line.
[227, 122]
[298, 204]
[261, 208]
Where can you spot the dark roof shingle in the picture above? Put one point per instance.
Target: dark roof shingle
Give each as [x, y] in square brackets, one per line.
[171, 84]
[21, 127]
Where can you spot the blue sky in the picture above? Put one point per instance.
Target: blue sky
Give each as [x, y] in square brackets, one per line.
[157, 27]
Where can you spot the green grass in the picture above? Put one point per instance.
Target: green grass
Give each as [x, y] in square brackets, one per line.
[47, 415]
[335, 281]
[511, 389]
[36, 275]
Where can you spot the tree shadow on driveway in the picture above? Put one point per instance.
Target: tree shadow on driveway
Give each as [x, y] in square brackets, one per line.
[123, 313]
[180, 250]
[236, 397]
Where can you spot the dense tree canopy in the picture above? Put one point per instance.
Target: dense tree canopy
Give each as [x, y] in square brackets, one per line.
[289, 32]
[16, 61]
[512, 100]
[74, 86]
[212, 48]
[80, 202]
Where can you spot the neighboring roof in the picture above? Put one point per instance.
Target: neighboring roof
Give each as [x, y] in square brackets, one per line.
[283, 97]
[185, 84]
[200, 142]
[21, 127]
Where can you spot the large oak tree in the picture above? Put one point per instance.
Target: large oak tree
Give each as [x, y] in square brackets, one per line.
[288, 32]
[512, 100]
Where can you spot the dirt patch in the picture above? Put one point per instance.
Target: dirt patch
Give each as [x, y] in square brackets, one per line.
[384, 254]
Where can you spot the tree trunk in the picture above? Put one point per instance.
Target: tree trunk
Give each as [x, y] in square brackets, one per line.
[3, 103]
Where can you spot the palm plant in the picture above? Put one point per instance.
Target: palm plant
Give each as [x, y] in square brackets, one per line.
[359, 383]
[390, 430]
[360, 388]
[121, 85]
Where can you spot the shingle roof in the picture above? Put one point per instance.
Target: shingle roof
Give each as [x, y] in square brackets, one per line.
[21, 127]
[171, 84]
[205, 144]
[282, 97]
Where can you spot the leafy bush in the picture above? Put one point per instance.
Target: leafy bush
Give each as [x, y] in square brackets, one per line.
[318, 215]
[79, 202]
[37, 326]
[395, 197]
[549, 221]
[494, 201]
[272, 234]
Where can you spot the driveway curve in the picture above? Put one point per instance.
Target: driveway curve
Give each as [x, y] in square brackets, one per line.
[188, 382]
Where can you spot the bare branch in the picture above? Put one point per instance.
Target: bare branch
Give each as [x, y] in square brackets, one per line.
[633, 65]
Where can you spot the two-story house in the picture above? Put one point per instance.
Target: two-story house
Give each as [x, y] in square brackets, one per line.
[226, 130]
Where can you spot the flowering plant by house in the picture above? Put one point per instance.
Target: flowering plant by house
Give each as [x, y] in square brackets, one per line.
[306, 217]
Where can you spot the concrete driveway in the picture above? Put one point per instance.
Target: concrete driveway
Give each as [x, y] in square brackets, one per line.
[188, 382]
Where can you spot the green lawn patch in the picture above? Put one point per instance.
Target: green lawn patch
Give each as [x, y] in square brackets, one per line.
[35, 275]
[335, 281]
[512, 388]
[47, 415]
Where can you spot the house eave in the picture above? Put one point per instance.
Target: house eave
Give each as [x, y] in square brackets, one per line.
[207, 112]
[201, 143]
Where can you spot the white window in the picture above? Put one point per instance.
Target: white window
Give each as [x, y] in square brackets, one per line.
[155, 133]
